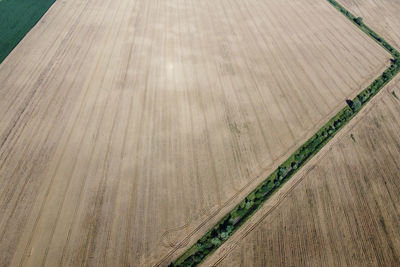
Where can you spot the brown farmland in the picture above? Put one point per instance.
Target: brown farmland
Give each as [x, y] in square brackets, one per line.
[343, 209]
[129, 125]
[383, 16]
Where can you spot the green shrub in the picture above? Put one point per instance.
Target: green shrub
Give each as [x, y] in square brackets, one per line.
[359, 21]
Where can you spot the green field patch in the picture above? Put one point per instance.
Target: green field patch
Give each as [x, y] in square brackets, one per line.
[17, 19]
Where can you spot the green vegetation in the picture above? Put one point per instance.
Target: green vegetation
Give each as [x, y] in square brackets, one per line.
[17, 19]
[247, 207]
[395, 95]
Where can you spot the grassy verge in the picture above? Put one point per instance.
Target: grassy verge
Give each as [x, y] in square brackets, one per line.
[231, 222]
[17, 19]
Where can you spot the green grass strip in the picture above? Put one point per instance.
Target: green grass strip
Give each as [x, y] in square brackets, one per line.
[231, 222]
[17, 18]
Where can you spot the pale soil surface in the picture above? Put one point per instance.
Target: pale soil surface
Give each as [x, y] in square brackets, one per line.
[342, 209]
[125, 125]
[381, 15]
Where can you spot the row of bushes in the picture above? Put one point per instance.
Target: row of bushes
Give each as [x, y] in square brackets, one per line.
[359, 21]
[374, 88]
[234, 219]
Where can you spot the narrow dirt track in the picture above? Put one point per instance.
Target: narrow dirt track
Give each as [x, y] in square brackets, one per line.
[129, 125]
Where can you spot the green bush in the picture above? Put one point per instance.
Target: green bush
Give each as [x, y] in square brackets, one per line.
[359, 21]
